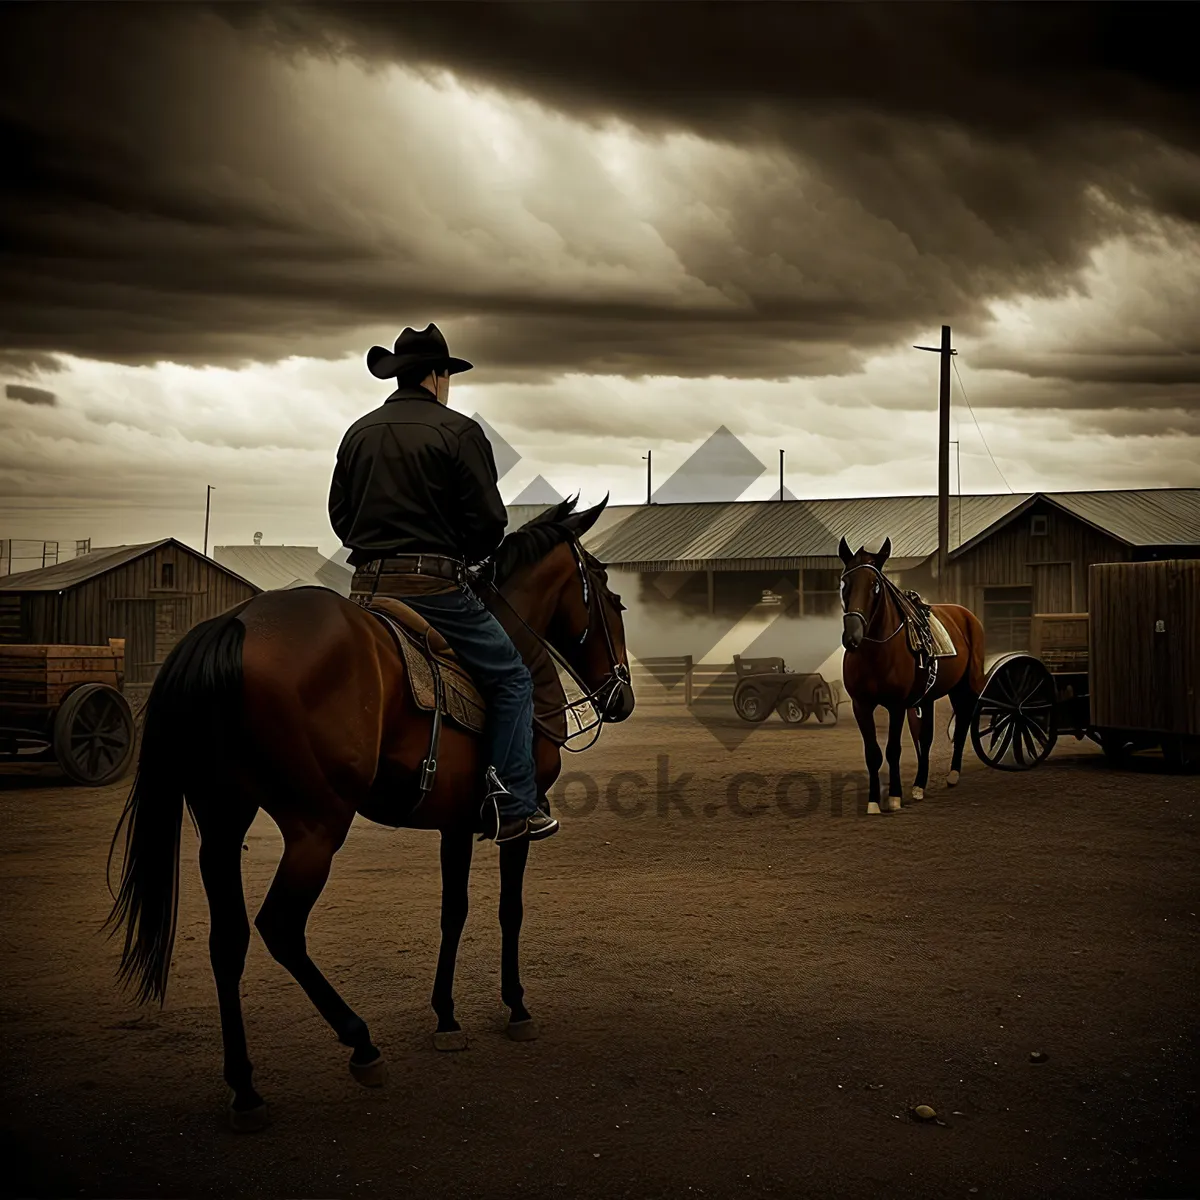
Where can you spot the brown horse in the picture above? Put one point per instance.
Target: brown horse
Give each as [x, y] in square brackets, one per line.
[879, 669]
[296, 702]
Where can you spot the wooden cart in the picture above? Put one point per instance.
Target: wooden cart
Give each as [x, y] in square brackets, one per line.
[1126, 674]
[765, 685]
[64, 705]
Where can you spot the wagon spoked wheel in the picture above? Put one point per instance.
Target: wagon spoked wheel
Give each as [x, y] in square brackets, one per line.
[94, 735]
[1015, 723]
[792, 711]
[751, 704]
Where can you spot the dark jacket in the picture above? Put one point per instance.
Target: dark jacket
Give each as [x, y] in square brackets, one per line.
[415, 477]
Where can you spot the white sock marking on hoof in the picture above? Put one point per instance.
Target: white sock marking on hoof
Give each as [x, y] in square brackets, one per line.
[893, 803]
[952, 779]
[918, 793]
[872, 808]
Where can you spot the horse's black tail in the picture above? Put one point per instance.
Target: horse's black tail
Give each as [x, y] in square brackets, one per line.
[185, 729]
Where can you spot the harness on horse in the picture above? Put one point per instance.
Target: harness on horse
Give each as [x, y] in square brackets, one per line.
[915, 614]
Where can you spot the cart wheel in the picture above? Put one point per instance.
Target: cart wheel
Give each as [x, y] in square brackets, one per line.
[750, 702]
[94, 735]
[1015, 722]
[792, 711]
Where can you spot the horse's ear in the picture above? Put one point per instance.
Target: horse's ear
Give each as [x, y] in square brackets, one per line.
[884, 551]
[844, 552]
[579, 523]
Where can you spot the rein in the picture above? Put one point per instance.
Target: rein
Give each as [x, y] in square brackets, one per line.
[610, 684]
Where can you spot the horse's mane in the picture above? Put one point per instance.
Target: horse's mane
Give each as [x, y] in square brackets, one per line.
[534, 540]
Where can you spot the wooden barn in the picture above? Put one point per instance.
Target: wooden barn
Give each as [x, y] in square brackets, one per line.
[150, 595]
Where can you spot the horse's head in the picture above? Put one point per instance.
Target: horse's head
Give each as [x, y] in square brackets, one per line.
[562, 592]
[862, 590]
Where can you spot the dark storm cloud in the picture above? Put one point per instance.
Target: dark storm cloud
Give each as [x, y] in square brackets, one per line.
[890, 167]
[29, 395]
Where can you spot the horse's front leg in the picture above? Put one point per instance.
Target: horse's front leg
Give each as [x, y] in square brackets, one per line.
[922, 735]
[513, 857]
[896, 722]
[864, 714]
[456, 873]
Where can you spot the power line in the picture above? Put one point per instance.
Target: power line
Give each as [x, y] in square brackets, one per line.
[976, 420]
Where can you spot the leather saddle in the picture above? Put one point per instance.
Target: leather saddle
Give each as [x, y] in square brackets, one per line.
[431, 666]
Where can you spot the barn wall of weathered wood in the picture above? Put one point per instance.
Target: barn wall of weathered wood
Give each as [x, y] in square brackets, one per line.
[1054, 564]
[151, 602]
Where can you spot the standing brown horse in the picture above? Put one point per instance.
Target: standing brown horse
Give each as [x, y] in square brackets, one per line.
[879, 669]
[296, 702]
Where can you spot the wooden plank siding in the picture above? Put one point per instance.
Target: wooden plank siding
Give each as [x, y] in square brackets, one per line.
[132, 602]
[1144, 651]
[1015, 557]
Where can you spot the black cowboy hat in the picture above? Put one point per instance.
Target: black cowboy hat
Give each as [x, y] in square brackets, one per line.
[414, 348]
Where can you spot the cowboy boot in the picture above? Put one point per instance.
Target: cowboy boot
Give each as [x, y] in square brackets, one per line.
[536, 826]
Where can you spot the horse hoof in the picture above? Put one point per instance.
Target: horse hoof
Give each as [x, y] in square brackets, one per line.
[952, 779]
[450, 1040]
[893, 804]
[523, 1031]
[918, 794]
[872, 808]
[373, 1074]
[249, 1120]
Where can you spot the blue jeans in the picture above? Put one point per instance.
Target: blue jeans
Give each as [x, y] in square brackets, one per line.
[485, 649]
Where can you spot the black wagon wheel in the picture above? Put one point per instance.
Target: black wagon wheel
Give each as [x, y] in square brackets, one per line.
[751, 703]
[792, 711]
[94, 735]
[1015, 723]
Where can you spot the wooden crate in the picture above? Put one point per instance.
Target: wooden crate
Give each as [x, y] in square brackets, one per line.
[1060, 640]
[1144, 646]
[33, 677]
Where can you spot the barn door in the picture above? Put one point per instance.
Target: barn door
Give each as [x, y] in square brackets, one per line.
[133, 620]
[1052, 588]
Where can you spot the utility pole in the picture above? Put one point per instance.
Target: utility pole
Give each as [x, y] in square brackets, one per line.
[648, 457]
[207, 508]
[781, 474]
[943, 450]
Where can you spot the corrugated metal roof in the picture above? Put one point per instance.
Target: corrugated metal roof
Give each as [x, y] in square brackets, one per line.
[274, 567]
[1158, 517]
[612, 516]
[787, 532]
[793, 529]
[76, 570]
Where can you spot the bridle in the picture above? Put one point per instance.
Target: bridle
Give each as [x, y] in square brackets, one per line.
[882, 587]
[609, 687]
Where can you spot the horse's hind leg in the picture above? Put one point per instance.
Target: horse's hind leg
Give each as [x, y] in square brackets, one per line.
[456, 873]
[896, 720]
[228, 941]
[302, 874]
[513, 857]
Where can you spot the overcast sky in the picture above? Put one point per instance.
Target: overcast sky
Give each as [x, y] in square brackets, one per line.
[641, 223]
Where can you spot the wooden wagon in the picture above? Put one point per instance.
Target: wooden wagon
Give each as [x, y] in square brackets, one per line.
[765, 685]
[1126, 674]
[64, 705]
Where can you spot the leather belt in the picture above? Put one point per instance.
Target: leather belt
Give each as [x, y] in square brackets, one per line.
[440, 566]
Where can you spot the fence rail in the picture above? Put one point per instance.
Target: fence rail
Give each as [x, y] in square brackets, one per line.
[681, 682]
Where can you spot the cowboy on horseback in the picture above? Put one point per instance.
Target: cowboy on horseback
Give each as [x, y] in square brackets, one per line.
[414, 499]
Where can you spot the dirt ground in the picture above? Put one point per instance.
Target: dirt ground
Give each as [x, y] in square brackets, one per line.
[731, 1002]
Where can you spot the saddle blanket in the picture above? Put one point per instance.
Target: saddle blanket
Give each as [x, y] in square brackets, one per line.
[943, 645]
[461, 700]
